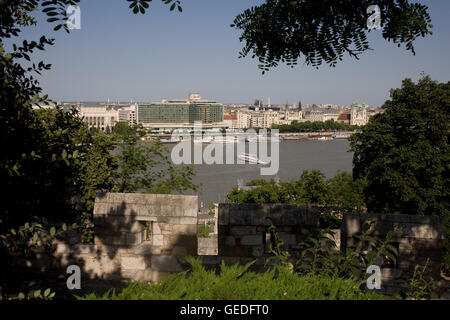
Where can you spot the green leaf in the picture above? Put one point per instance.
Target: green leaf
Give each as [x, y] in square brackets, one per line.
[37, 294]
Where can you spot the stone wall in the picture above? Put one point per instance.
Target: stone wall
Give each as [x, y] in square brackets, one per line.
[144, 237]
[419, 239]
[243, 233]
[137, 237]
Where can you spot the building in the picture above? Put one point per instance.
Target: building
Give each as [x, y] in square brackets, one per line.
[358, 115]
[99, 118]
[330, 114]
[270, 118]
[314, 115]
[231, 121]
[344, 118]
[243, 119]
[257, 120]
[172, 114]
[128, 114]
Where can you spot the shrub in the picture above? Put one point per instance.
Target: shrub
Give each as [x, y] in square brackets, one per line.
[203, 231]
[237, 283]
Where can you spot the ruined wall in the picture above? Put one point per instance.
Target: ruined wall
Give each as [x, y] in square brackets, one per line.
[144, 237]
[243, 234]
[137, 237]
[419, 239]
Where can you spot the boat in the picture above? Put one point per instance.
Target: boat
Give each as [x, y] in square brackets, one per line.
[252, 159]
[205, 139]
[262, 138]
[341, 136]
[319, 137]
[172, 140]
[225, 140]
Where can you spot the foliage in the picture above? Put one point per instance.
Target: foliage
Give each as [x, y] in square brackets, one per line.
[32, 295]
[49, 157]
[203, 231]
[308, 126]
[24, 242]
[147, 166]
[419, 287]
[335, 196]
[96, 174]
[238, 283]
[323, 31]
[211, 206]
[404, 153]
[319, 254]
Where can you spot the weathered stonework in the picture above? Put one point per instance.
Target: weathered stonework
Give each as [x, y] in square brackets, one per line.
[418, 240]
[144, 237]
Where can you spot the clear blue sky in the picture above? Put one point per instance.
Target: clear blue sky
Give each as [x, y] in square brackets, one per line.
[163, 54]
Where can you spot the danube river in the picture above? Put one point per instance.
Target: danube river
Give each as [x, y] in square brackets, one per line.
[295, 156]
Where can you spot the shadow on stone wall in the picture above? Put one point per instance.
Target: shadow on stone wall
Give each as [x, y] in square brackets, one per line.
[144, 237]
[137, 237]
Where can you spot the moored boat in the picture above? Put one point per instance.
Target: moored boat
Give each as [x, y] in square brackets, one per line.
[252, 159]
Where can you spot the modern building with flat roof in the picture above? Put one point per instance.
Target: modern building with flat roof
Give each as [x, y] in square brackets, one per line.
[181, 113]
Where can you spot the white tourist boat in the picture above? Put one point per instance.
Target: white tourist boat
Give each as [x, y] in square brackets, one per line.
[252, 159]
[262, 138]
[225, 140]
[341, 136]
[205, 139]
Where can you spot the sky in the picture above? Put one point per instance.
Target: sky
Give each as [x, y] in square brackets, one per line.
[120, 56]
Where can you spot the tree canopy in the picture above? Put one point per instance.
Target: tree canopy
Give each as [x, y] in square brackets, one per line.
[404, 153]
[323, 31]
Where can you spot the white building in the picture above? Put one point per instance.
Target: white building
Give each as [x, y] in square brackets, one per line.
[270, 118]
[99, 117]
[314, 115]
[358, 115]
[330, 114]
[257, 120]
[243, 120]
[128, 114]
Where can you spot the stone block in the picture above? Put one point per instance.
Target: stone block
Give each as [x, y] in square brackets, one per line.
[257, 251]
[351, 225]
[251, 240]
[202, 251]
[230, 241]
[158, 240]
[188, 220]
[288, 239]
[207, 243]
[179, 251]
[132, 262]
[156, 228]
[134, 239]
[166, 264]
[242, 230]
[185, 229]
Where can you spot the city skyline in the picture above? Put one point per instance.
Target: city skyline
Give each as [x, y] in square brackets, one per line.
[121, 56]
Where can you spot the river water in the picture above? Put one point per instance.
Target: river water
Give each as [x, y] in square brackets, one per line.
[295, 156]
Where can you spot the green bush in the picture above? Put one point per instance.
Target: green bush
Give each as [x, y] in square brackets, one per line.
[237, 283]
[203, 231]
